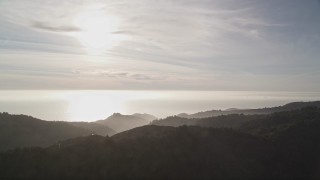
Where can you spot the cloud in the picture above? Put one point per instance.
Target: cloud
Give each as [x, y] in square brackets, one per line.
[176, 29]
[142, 77]
[175, 43]
[48, 27]
[119, 75]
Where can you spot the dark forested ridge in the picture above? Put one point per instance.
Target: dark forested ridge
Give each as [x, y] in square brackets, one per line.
[238, 120]
[26, 131]
[148, 152]
[287, 107]
[223, 121]
[158, 152]
[94, 128]
[281, 145]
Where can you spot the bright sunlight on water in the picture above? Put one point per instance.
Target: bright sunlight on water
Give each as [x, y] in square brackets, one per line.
[94, 105]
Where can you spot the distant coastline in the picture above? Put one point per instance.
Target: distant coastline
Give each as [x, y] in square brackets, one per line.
[91, 105]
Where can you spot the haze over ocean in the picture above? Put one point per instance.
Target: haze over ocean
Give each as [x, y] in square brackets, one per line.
[92, 105]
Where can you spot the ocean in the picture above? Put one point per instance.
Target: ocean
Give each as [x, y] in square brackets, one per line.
[91, 105]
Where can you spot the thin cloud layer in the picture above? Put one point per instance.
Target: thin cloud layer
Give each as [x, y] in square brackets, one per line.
[174, 44]
[48, 27]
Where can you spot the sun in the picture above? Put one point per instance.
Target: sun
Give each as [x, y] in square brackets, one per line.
[97, 30]
[92, 105]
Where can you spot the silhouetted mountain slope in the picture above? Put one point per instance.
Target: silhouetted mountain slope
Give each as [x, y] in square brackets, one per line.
[204, 114]
[297, 136]
[174, 121]
[148, 152]
[282, 145]
[145, 116]
[94, 128]
[225, 121]
[26, 131]
[144, 132]
[287, 107]
[119, 122]
[275, 124]
[234, 121]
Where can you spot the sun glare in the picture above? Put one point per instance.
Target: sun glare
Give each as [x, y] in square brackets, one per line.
[89, 106]
[97, 30]
[95, 105]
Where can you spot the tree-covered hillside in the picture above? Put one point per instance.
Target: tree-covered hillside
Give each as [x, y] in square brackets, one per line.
[282, 145]
[26, 131]
[148, 152]
[266, 110]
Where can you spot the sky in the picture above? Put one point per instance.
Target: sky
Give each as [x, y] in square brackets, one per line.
[206, 45]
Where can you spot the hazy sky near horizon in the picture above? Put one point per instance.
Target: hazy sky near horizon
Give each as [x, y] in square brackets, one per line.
[92, 105]
[160, 45]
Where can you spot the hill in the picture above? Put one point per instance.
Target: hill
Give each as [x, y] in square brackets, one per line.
[94, 128]
[282, 145]
[297, 135]
[174, 121]
[148, 152]
[145, 116]
[26, 131]
[232, 120]
[119, 122]
[224, 121]
[287, 107]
